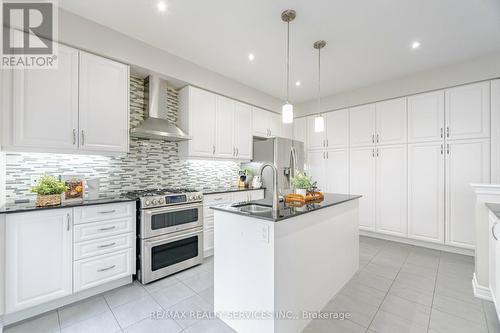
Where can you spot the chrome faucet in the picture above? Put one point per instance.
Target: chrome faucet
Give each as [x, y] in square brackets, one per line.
[275, 181]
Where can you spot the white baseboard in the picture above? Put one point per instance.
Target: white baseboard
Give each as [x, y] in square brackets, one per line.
[481, 291]
[415, 242]
[206, 254]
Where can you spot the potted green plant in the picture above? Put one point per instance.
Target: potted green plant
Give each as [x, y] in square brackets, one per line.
[48, 190]
[301, 183]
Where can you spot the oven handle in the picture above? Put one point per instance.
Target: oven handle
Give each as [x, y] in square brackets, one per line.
[165, 240]
[172, 208]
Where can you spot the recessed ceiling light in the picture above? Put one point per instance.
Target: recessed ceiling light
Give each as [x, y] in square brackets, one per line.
[297, 83]
[162, 6]
[251, 56]
[415, 45]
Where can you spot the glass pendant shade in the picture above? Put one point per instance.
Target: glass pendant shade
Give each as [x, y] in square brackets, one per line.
[319, 124]
[287, 113]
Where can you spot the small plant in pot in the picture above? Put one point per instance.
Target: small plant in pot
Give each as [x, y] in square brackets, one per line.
[301, 183]
[49, 190]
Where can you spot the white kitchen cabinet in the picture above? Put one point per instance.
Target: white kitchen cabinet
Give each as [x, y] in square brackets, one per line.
[287, 131]
[467, 162]
[316, 168]
[362, 125]
[243, 141]
[266, 123]
[494, 260]
[337, 129]
[39, 257]
[337, 171]
[362, 182]
[300, 130]
[467, 111]
[224, 129]
[103, 104]
[315, 140]
[391, 190]
[275, 124]
[390, 121]
[426, 164]
[45, 104]
[426, 117]
[197, 118]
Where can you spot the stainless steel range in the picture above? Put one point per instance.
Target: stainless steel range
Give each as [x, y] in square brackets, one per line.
[169, 231]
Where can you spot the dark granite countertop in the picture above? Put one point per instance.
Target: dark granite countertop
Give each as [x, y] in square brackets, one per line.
[495, 208]
[286, 211]
[208, 191]
[13, 207]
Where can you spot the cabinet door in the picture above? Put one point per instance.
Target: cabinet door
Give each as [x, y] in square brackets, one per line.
[337, 171]
[103, 101]
[468, 111]
[315, 140]
[201, 122]
[391, 190]
[224, 120]
[362, 182]
[39, 260]
[45, 104]
[260, 121]
[467, 162]
[362, 125]
[426, 191]
[287, 130]
[300, 130]
[275, 124]
[390, 121]
[243, 131]
[337, 129]
[316, 168]
[426, 117]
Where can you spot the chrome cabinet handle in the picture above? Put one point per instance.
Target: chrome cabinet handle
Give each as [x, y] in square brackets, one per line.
[237, 151]
[442, 149]
[326, 155]
[218, 199]
[447, 131]
[493, 230]
[441, 132]
[234, 151]
[68, 218]
[108, 228]
[107, 211]
[377, 151]
[327, 146]
[106, 269]
[373, 138]
[378, 137]
[213, 150]
[448, 149]
[373, 152]
[74, 136]
[107, 245]
[83, 137]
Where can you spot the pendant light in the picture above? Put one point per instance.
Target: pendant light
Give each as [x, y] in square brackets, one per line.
[287, 108]
[319, 120]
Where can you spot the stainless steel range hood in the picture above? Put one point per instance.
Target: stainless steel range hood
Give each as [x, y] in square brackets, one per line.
[156, 125]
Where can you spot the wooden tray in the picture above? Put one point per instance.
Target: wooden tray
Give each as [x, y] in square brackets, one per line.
[300, 199]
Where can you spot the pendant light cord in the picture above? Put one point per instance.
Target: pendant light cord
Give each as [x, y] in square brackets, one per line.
[319, 80]
[287, 62]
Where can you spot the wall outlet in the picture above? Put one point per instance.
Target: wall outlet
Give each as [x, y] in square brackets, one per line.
[34, 180]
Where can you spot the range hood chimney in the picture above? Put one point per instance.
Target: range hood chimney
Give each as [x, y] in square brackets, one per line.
[156, 125]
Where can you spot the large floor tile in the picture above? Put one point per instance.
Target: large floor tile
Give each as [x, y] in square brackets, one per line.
[134, 312]
[361, 313]
[149, 325]
[200, 282]
[469, 311]
[333, 326]
[413, 312]
[385, 322]
[104, 323]
[446, 323]
[387, 271]
[363, 293]
[208, 295]
[173, 295]
[412, 292]
[46, 323]
[422, 282]
[209, 326]
[416, 269]
[190, 310]
[466, 295]
[161, 284]
[125, 294]
[372, 280]
[491, 317]
[73, 313]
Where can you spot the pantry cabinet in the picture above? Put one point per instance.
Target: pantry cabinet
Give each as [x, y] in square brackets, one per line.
[330, 169]
[390, 122]
[426, 117]
[362, 125]
[335, 134]
[362, 182]
[300, 130]
[80, 107]
[38, 257]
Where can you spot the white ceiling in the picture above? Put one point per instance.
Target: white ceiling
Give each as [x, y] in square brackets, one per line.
[368, 41]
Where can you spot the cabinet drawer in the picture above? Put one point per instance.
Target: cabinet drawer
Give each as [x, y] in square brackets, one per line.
[96, 213]
[89, 231]
[217, 199]
[102, 246]
[92, 272]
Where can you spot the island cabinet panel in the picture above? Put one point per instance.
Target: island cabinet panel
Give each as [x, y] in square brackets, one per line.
[391, 190]
[426, 164]
[362, 182]
[467, 162]
[426, 117]
[38, 257]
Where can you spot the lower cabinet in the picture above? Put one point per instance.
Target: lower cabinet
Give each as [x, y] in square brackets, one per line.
[38, 257]
[362, 182]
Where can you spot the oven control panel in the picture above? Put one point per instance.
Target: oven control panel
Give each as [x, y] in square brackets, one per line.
[171, 199]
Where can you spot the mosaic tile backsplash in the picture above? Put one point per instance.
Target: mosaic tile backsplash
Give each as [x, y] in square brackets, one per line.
[149, 163]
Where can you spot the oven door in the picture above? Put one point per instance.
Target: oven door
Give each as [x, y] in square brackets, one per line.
[168, 254]
[159, 221]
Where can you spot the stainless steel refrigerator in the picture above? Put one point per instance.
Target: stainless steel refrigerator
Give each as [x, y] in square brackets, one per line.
[287, 155]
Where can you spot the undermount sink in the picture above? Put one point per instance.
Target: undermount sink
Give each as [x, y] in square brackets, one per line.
[253, 208]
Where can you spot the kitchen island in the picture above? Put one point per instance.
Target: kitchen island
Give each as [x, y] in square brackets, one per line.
[274, 270]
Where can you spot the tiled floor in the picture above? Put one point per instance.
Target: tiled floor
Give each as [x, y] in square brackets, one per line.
[399, 288]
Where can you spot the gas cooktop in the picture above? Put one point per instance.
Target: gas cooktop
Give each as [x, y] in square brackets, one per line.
[151, 198]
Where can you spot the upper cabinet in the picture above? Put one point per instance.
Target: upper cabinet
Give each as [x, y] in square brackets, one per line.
[103, 97]
[390, 121]
[220, 127]
[362, 125]
[82, 106]
[467, 111]
[426, 117]
[335, 134]
[265, 123]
